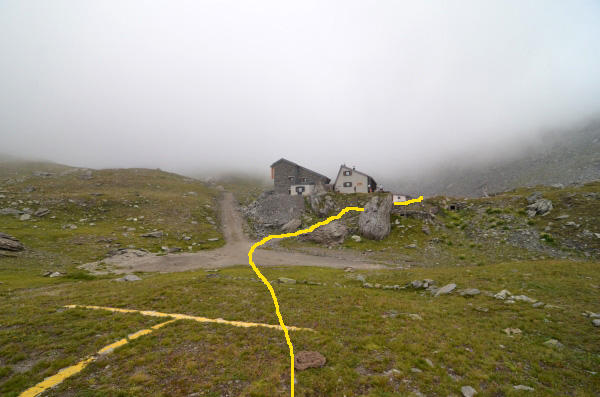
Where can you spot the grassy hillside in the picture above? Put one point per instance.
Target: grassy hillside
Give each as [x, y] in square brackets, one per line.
[112, 209]
[378, 342]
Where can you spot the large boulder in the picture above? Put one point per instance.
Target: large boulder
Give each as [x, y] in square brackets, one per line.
[321, 203]
[9, 243]
[374, 221]
[330, 234]
[291, 226]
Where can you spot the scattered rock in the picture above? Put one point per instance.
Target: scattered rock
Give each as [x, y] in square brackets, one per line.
[292, 226]
[392, 372]
[283, 280]
[522, 387]
[25, 217]
[414, 316]
[42, 212]
[533, 197]
[468, 391]
[356, 238]
[554, 343]
[412, 246]
[29, 189]
[212, 240]
[445, 290]
[425, 229]
[538, 304]
[10, 211]
[470, 292]
[129, 277]
[558, 218]
[54, 274]
[596, 322]
[331, 234]
[308, 359]
[513, 331]
[502, 294]
[156, 234]
[361, 278]
[415, 370]
[524, 299]
[368, 285]
[374, 221]
[9, 243]
[540, 207]
[416, 284]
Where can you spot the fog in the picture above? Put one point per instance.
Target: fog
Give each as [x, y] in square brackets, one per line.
[391, 87]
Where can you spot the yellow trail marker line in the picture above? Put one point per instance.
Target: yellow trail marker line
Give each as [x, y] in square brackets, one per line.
[74, 369]
[264, 280]
[186, 317]
[418, 200]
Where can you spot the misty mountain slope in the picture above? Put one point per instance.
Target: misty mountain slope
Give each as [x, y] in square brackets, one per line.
[19, 169]
[557, 159]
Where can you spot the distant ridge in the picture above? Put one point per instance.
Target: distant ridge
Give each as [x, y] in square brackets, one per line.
[557, 159]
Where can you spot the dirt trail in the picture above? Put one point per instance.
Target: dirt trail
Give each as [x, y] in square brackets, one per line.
[235, 252]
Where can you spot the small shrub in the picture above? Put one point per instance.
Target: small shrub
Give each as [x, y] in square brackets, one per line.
[81, 276]
[547, 238]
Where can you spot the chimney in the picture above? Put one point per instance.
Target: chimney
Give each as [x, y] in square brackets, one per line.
[353, 167]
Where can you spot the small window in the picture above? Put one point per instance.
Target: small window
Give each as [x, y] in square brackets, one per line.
[347, 173]
[300, 189]
[304, 180]
[291, 178]
[347, 184]
[289, 191]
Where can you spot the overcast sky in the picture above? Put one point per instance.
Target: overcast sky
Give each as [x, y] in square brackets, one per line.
[383, 85]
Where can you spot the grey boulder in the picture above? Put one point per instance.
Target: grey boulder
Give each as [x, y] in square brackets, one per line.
[374, 221]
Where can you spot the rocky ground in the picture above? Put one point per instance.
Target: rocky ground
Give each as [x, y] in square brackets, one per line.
[524, 224]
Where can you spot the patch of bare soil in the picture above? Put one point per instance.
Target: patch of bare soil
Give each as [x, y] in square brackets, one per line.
[234, 253]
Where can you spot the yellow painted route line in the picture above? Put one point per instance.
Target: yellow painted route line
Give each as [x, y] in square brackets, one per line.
[74, 369]
[418, 200]
[264, 280]
[186, 317]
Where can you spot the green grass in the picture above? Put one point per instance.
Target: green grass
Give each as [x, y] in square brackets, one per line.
[39, 336]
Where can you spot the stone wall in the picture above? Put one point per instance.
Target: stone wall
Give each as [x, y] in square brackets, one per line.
[282, 172]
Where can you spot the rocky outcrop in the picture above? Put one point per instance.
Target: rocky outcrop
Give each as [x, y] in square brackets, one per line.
[270, 212]
[321, 203]
[9, 243]
[539, 207]
[331, 234]
[291, 226]
[374, 221]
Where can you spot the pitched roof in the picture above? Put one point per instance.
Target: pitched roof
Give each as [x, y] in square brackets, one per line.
[304, 168]
[353, 170]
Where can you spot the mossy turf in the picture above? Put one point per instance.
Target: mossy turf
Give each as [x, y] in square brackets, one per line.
[363, 333]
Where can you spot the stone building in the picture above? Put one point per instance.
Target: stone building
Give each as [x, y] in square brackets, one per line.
[351, 181]
[291, 178]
